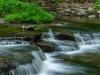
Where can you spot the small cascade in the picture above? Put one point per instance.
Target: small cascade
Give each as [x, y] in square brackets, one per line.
[88, 39]
[27, 59]
[28, 69]
[12, 42]
[54, 66]
[31, 68]
[49, 36]
[87, 42]
[58, 44]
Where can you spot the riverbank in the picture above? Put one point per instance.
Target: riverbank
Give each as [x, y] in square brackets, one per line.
[30, 30]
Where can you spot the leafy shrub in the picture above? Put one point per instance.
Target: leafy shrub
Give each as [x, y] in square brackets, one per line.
[97, 5]
[27, 18]
[17, 11]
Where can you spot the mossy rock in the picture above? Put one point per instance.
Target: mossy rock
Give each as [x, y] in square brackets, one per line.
[45, 46]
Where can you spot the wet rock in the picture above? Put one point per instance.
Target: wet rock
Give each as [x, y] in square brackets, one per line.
[27, 39]
[91, 59]
[37, 38]
[13, 56]
[45, 46]
[6, 64]
[65, 36]
[29, 28]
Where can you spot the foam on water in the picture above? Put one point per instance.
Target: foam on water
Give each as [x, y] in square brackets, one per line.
[52, 66]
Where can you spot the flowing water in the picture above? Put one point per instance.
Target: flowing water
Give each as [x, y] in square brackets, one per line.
[21, 52]
[88, 43]
[52, 63]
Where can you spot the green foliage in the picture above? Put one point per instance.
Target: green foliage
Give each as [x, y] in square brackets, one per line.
[97, 5]
[17, 11]
[27, 18]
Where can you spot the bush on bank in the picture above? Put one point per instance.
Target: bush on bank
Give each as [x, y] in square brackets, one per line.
[18, 11]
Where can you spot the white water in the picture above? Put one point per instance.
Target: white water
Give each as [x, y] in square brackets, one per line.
[87, 43]
[31, 68]
[10, 47]
[87, 39]
[60, 45]
[12, 42]
[55, 66]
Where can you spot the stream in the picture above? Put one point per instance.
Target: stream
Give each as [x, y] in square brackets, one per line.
[56, 66]
[66, 59]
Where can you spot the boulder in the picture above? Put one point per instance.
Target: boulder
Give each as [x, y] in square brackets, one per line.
[27, 39]
[37, 38]
[45, 46]
[29, 28]
[65, 36]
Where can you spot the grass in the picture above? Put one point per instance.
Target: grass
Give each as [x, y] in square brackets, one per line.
[23, 12]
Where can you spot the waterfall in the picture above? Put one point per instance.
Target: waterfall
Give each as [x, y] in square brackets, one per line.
[12, 42]
[87, 42]
[28, 69]
[54, 66]
[31, 68]
[18, 49]
[59, 45]
[87, 39]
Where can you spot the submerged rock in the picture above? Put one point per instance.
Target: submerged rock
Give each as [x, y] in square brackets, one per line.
[90, 59]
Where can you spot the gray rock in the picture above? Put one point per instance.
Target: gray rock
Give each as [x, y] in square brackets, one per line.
[29, 28]
[2, 21]
[81, 12]
[90, 9]
[92, 16]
